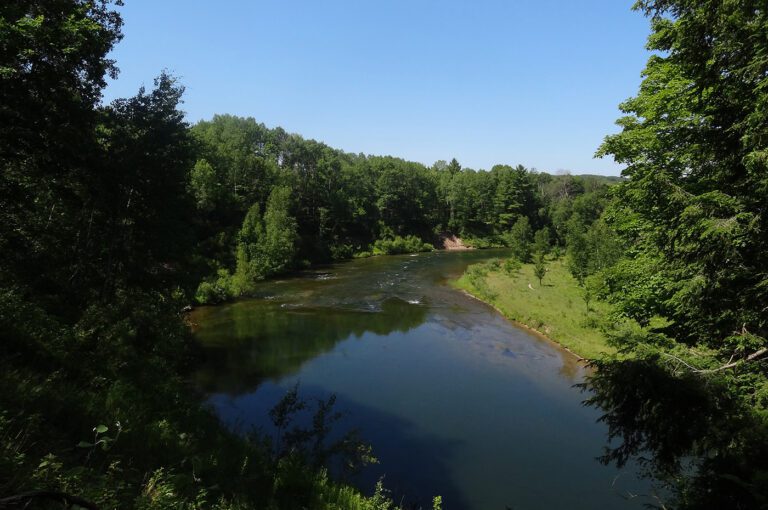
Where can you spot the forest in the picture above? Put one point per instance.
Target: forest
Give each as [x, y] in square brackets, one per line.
[116, 217]
[267, 202]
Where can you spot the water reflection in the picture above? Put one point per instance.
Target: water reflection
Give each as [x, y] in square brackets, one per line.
[255, 340]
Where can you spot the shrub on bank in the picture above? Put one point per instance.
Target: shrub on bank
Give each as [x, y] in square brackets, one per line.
[398, 245]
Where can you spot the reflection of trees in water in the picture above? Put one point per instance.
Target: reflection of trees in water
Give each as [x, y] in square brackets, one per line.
[691, 434]
[253, 341]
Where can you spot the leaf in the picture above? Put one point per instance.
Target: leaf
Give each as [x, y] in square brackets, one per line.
[100, 429]
[84, 444]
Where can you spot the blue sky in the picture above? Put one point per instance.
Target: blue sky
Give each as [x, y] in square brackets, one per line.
[535, 82]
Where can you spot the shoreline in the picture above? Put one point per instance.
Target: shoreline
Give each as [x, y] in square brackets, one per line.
[522, 325]
[297, 272]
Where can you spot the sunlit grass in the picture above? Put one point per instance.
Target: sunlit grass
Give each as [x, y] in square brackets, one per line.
[555, 308]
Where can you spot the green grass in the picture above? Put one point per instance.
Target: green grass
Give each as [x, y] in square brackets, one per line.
[556, 308]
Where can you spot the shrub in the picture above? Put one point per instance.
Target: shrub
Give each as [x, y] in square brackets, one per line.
[511, 266]
[341, 251]
[222, 288]
[398, 245]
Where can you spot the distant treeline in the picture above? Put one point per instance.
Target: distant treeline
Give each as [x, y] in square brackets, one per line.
[267, 201]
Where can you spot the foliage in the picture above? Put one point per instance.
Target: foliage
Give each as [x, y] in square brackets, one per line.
[542, 241]
[592, 249]
[510, 266]
[312, 444]
[268, 247]
[218, 289]
[578, 255]
[398, 245]
[694, 211]
[539, 266]
[519, 239]
[552, 309]
[345, 203]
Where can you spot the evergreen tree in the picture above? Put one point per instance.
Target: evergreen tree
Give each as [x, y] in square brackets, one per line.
[694, 142]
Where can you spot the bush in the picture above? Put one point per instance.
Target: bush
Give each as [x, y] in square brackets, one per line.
[220, 289]
[477, 271]
[482, 243]
[511, 266]
[398, 245]
[341, 251]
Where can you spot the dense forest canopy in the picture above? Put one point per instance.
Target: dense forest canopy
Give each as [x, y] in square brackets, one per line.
[336, 205]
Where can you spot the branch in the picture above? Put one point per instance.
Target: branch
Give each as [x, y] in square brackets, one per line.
[671, 356]
[729, 364]
[23, 500]
[751, 357]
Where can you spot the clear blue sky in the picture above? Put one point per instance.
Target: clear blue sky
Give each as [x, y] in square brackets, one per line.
[535, 82]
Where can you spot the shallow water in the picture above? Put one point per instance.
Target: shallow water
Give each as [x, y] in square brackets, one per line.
[454, 399]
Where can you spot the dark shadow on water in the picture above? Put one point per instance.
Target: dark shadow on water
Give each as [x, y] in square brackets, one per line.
[422, 461]
[415, 468]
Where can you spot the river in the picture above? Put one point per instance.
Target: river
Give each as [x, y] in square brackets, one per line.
[454, 399]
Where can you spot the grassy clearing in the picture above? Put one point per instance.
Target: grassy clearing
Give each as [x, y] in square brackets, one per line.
[556, 308]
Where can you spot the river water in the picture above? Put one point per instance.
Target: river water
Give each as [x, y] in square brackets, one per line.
[454, 399]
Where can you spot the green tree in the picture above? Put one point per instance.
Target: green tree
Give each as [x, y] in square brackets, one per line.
[266, 245]
[520, 239]
[249, 250]
[53, 67]
[542, 240]
[694, 144]
[578, 256]
[204, 185]
[539, 266]
[603, 245]
[280, 231]
[453, 167]
[143, 197]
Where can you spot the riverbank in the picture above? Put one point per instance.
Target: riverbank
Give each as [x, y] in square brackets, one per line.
[554, 309]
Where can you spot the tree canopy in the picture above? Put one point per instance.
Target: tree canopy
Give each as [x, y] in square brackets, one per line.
[694, 211]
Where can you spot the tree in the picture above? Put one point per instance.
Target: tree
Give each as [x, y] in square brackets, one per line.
[694, 144]
[280, 231]
[578, 256]
[603, 245]
[204, 185]
[453, 167]
[520, 239]
[53, 64]
[593, 287]
[144, 199]
[250, 237]
[266, 245]
[539, 266]
[541, 240]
